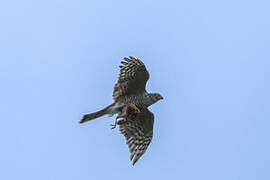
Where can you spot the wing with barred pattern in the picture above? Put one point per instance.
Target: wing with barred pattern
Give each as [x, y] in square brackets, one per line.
[132, 78]
[138, 132]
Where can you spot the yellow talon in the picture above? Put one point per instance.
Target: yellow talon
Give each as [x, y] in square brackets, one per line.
[134, 106]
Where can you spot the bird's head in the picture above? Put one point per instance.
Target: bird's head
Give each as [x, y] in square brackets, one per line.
[155, 97]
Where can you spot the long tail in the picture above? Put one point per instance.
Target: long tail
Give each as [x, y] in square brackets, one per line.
[89, 117]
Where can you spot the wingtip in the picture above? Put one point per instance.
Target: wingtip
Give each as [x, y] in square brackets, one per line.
[81, 121]
[132, 155]
[126, 59]
[134, 161]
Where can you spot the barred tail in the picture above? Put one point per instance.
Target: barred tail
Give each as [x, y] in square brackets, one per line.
[89, 117]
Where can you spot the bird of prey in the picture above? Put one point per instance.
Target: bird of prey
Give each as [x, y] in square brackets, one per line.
[131, 102]
[130, 88]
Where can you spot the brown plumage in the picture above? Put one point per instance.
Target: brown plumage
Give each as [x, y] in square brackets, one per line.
[132, 78]
[130, 88]
[131, 101]
[137, 127]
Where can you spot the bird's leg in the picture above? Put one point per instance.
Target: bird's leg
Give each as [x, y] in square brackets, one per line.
[113, 126]
[122, 121]
[119, 120]
[121, 116]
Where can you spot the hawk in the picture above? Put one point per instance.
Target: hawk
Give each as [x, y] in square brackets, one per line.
[130, 88]
[131, 101]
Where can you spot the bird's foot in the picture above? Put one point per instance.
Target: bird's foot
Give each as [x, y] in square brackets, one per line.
[113, 126]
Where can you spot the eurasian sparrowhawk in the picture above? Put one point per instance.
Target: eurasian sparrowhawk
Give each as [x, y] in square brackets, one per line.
[129, 92]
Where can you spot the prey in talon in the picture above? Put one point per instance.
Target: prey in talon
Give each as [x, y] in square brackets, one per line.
[129, 111]
[131, 102]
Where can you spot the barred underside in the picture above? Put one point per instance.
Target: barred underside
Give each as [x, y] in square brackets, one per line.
[141, 100]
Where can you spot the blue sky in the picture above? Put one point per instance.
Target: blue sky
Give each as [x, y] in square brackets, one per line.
[209, 59]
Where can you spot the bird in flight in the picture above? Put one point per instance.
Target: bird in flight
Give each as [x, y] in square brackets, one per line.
[131, 102]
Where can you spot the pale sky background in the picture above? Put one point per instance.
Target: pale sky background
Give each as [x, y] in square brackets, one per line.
[209, 59]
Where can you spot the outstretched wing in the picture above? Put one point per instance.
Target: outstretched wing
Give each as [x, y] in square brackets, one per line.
[132, 78]
[138, 132]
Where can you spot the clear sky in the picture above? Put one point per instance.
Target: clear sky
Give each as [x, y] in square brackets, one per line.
[209, 59]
